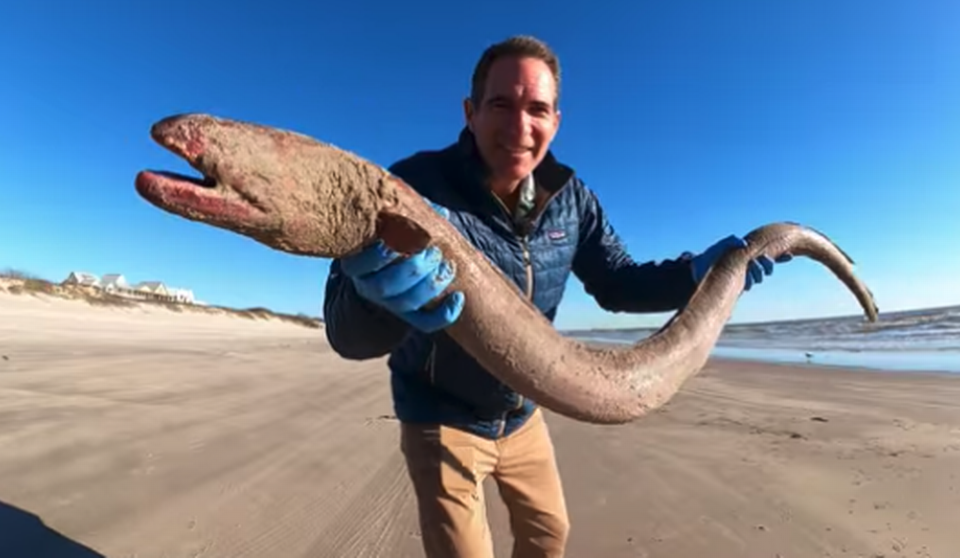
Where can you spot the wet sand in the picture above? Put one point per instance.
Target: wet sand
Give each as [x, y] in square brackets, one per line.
[154, 433]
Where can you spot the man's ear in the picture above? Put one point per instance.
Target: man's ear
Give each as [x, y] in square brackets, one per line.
[468, 112]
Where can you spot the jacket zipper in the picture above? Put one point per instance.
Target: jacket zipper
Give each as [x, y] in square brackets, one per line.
[528, 268]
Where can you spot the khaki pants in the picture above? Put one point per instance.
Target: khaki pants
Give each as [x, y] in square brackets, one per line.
[447, 467]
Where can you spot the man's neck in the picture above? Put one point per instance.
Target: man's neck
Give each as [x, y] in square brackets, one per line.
[510, 197]
[520, 194]
[507, 192]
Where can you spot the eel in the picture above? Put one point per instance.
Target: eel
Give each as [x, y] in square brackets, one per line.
[296, 194]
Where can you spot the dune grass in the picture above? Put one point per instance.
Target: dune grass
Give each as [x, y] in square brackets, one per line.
[24, 283]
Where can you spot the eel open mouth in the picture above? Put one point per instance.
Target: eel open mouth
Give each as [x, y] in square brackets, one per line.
[205, 198]
[198, 198]
[201, 199]
[155, 183]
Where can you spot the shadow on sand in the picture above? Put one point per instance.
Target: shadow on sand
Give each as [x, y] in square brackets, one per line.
[23, 534]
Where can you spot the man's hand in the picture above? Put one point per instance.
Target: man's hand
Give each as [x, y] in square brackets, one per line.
[760, 267]
[403, 287]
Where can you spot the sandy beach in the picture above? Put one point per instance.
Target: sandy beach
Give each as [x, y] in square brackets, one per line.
[146, 432]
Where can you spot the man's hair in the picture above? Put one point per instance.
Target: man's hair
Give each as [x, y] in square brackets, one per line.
[521, 46]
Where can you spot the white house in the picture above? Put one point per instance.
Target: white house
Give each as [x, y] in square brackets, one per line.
[114, 282]
[152, 287]
[82, 278]
[117, 285]
[181, 295]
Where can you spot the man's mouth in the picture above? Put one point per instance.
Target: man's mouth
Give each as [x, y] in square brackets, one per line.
[515, 150]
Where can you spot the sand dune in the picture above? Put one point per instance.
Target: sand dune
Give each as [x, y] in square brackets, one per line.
[132, 432]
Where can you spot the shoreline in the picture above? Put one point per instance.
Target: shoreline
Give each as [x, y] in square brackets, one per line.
[909, 361]
[892, 364]
[822, 367]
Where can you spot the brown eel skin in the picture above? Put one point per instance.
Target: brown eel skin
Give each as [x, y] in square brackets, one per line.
[296, 194]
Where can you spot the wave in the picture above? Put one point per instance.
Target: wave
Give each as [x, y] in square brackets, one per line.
[932, 335]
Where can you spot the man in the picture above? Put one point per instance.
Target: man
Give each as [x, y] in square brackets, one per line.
[534, 218]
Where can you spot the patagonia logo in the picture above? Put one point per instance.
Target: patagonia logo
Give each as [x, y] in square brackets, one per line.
[556, 234]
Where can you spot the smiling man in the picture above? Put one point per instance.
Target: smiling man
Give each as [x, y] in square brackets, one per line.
[534, 218]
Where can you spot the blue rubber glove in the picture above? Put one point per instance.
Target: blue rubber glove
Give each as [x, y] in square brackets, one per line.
[759, 267]
[404, 286]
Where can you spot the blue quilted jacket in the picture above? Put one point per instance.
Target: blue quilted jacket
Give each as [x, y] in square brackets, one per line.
[432, 379]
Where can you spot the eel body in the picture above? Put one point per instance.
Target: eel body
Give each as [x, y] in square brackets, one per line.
[302, 196]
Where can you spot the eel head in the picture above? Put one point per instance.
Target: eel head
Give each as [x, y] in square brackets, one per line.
[281, 188]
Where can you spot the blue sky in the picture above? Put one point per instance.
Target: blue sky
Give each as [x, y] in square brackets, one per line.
[691, 120]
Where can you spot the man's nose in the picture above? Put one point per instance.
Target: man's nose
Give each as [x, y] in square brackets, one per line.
[518, 122]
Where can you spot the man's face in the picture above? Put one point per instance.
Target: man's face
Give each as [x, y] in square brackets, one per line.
[516, 120]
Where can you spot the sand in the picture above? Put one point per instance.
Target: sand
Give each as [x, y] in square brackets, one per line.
[153, 433]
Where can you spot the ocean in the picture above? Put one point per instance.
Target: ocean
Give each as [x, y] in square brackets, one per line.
[919, 340]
